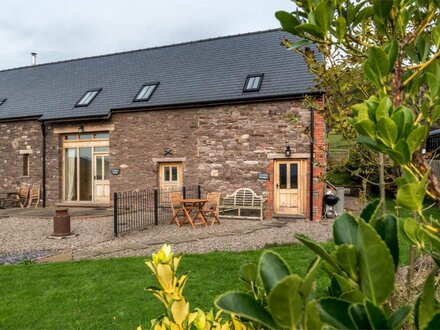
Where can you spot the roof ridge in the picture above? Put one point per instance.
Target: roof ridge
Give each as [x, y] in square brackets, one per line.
[144, 49]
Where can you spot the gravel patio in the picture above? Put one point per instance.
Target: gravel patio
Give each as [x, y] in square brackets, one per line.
[24, 238]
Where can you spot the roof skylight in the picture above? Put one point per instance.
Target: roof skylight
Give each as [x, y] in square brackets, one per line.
[87, 98]
[145, 92]
[253, 83]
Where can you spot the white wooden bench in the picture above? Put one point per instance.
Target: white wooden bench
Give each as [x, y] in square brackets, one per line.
[242, 199]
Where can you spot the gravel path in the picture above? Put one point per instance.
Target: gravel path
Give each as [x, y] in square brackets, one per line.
[28, 238]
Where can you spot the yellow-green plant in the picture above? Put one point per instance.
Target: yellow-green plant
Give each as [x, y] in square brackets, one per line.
[177, 314]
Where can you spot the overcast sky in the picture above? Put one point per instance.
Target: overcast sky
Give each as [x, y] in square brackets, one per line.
[60, 30]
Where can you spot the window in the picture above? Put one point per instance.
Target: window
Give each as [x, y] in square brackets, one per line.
[2, 101]
[87, 136]
[87, 98]
[26, 165]
[253, 83]
[145, 92]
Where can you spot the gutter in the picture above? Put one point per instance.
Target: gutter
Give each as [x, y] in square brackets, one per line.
[43, 174]
[312, 132]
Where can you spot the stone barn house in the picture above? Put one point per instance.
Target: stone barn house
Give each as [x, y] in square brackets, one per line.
[224, 113]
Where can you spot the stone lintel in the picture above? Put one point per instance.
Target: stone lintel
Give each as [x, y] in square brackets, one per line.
[292, 156]
[169, 160]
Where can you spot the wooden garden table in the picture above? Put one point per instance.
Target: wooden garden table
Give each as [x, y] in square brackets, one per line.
[193, 211]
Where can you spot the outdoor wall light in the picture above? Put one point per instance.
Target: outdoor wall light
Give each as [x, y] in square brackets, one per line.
[81, 129]
[288, 152]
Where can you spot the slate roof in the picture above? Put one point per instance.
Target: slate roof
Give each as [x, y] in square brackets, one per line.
[200, 72]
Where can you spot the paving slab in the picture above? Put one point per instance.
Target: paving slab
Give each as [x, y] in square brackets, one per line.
[61, 257]
[86, 254]
[110, 249]
[224, 233]
[156, 241]
[179, 239]
[133, 246]
[203, 236]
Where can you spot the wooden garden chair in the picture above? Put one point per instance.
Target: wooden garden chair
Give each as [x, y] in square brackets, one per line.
[34, 195]
[176, 207]
[23, 194]
[211, 208]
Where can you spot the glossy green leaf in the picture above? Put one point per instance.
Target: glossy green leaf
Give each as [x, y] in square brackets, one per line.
[416, 138]
[387, 131]
[366, 127]
[436, 36]
[422, 45]
[392, 50]
[300, 43]
[345, 229]
[286, 303]
[359, 316]
[433, 83]
[288, 21]
[373, 145]
[272, 268]
[435, 115]
[245, 306]
[426, 307]
[400, 153]
[341, 27]
[382, 8]
[323, 15]
[411, 196]
[378, 61]
[376, 316]
[311, 29]
[384, 108]
[370, 212]
[387, 228]
[319, 250]
[347, 258]
[310, 277]
[412, 231]
[335, 312]
[399, 317]
[249, 273]
[311, 316]
[434, 324]
[372, 75]
[376, 267]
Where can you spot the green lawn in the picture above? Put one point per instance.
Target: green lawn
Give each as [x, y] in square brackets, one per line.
[109, 294]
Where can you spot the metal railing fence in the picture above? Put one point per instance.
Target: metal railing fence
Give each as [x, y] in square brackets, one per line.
[138, 209]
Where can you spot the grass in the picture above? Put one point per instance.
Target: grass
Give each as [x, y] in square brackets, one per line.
[109, 294]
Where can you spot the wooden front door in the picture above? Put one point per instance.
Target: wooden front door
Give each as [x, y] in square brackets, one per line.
[170, 175]
[289, 181]
[101, 178]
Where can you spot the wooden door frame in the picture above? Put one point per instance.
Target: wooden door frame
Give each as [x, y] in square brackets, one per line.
[95, 155]
[170, 163]
[302, 184]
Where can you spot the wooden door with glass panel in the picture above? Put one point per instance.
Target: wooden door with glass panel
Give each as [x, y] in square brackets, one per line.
[101, 177]
[170, 175]
[287, 189]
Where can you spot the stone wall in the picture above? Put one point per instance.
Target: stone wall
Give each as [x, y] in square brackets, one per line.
[222, 148]
[16, 139]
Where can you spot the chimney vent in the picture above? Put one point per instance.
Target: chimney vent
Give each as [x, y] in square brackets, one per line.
[34, 58]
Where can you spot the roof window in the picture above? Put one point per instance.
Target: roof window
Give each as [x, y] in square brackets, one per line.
[2, 101]
[145, 92]
[87, 98]
[253, 83]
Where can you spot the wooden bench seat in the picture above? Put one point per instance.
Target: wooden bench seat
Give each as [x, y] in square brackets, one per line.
[242, 199]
